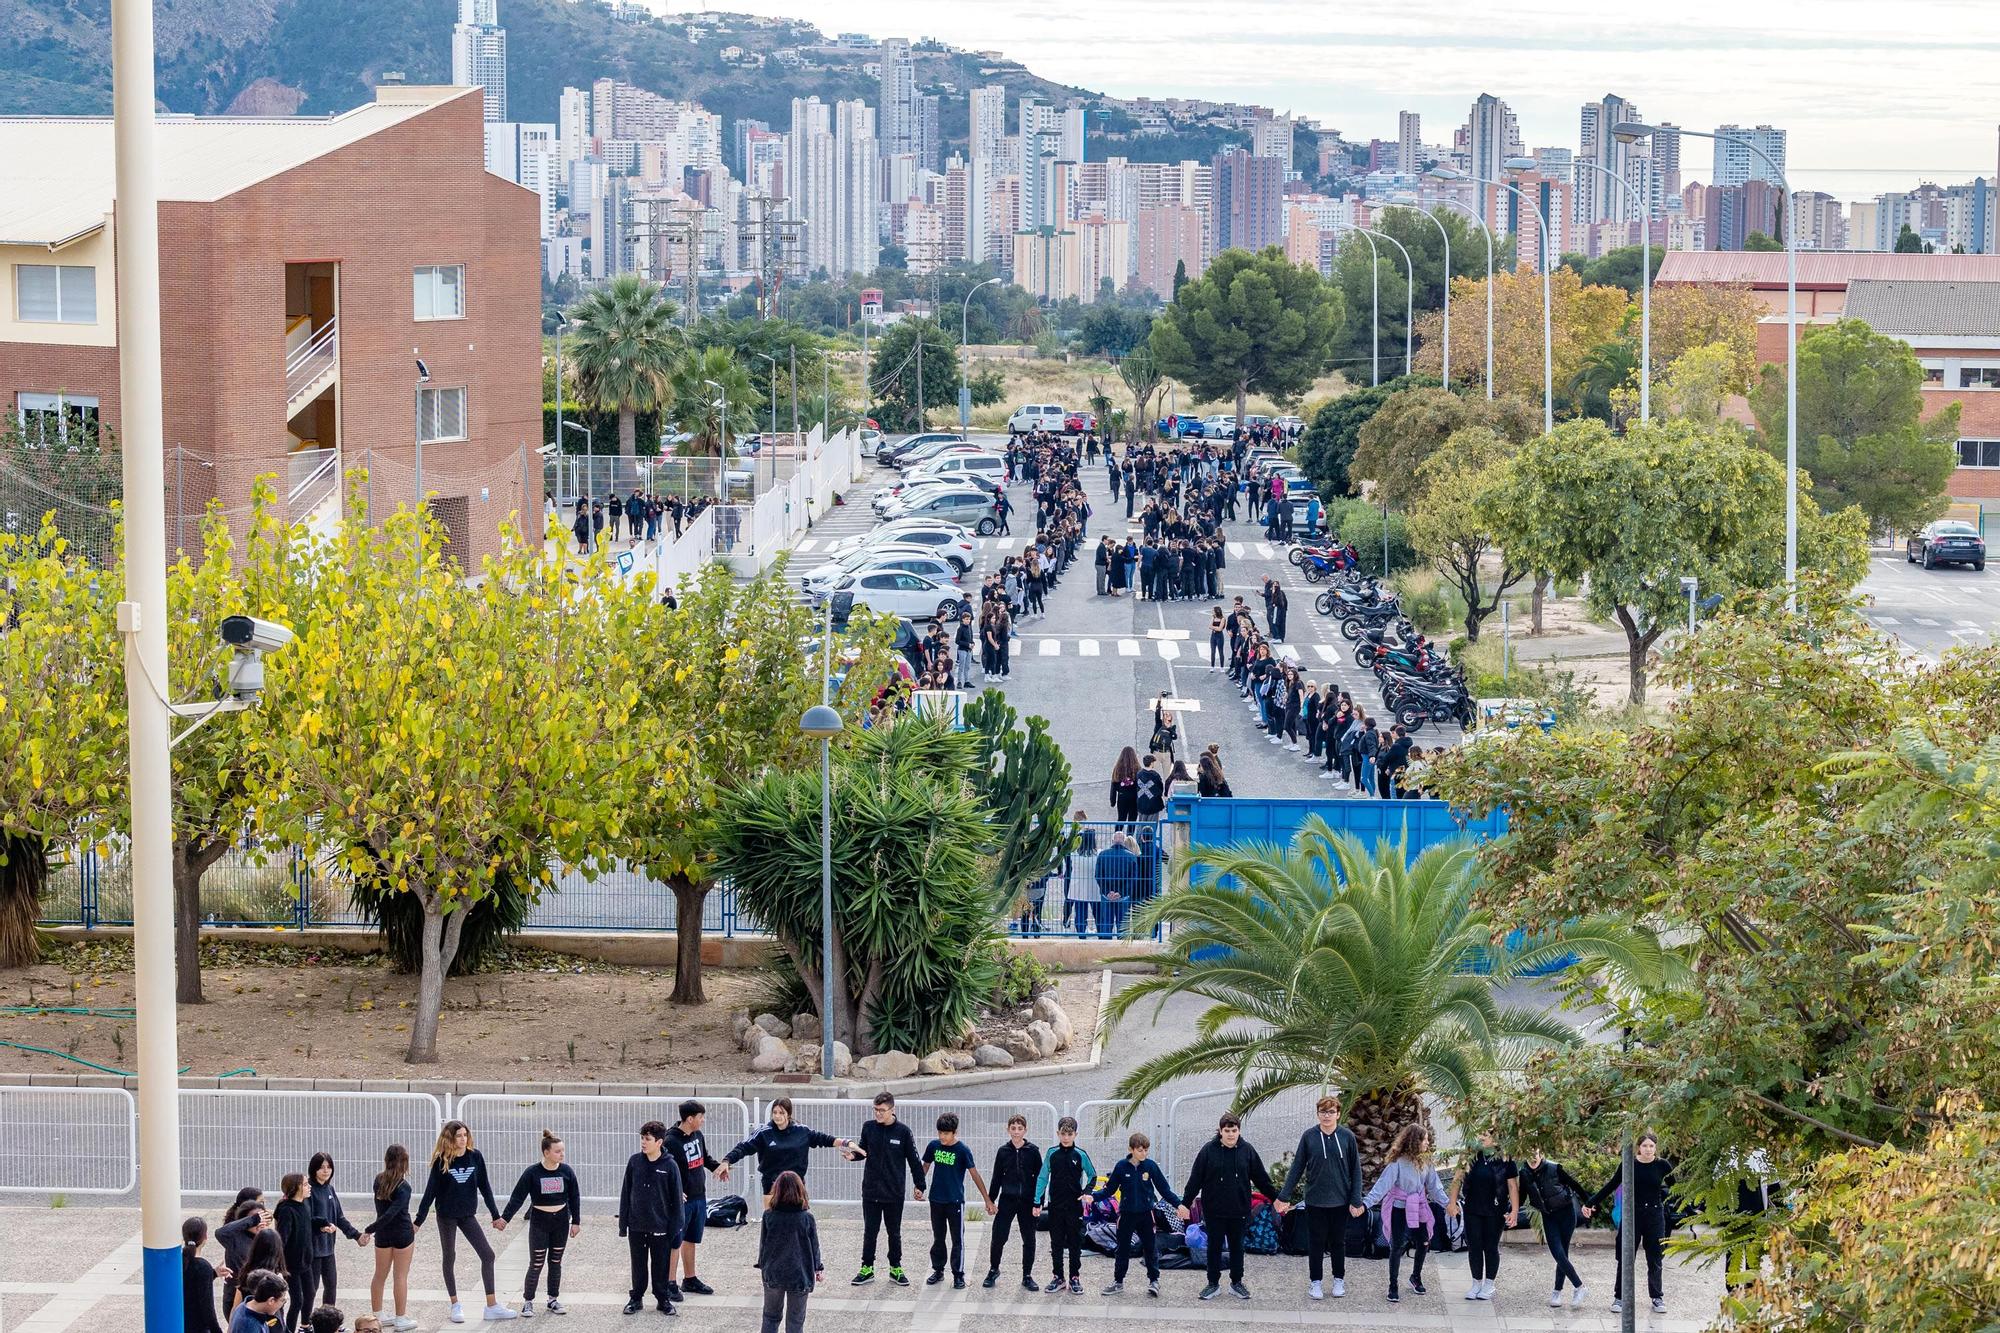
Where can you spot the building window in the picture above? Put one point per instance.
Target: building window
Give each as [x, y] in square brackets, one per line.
[1934, 375]
[55, 294]
[440, 415]
[1979, 453]
[1979, 377]
[440, 291]
[50, 420]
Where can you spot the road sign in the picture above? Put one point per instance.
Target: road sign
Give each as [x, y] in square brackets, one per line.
[625, 562]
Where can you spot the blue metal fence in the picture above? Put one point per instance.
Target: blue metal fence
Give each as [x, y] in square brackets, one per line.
[1090, 895]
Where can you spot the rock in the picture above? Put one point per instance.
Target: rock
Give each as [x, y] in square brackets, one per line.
[1020, 1045]
[1044, 1038]
[934, 1063]
[992, 1057]
[967, 1037]
[843, 1059]
[752, 1039]
[774, 1025]
[960, 1059]
[772, 1057]
[1049, 1011]
[888, 1065]
[741, 1021]
[805, 1027]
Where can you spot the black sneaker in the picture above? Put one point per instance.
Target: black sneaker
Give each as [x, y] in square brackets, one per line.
[1395, 1299]
[1032, 1285]
[1076, 1286]
[667, 1308]
[633, 1307]
[1055, 1284]
[991, 1278]
[1416, 1286]
[1242, 1292]
[694, 1286]
[936, 1277]
[958, 1282]
[864, 1277]
[1153, 1286]
[674, 1292]
[1208, 1292]
[899, 1277]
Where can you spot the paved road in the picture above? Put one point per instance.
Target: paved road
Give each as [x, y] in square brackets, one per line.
[1932, 610]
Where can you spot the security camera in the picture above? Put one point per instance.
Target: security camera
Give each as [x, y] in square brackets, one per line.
[247, 633]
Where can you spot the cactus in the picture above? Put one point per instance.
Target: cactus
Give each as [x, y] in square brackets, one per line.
[1024, 780]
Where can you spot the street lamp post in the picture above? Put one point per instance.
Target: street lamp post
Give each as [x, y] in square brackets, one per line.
[1487, 232]
[589, 450]
[1630, 131]
[822, 721]
[1645, 287]
[794, 349]
[1409, 293]
[1548, 262]
[1445, 236]
[965, 362]
[774, 391]
[1375, 319]
[560, 321]
[722, 425]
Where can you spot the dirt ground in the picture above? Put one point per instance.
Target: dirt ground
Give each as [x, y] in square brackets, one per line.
[294, 1013]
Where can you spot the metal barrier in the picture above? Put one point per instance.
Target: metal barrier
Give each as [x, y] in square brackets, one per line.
[982, 1126]
[1107, 1138]
[599, 1135]
[232, 1137]
[1273, 1128]
[68, 1141]
[1049, 907]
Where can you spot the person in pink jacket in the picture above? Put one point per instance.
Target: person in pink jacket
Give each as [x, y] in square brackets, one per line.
[1406, 1189]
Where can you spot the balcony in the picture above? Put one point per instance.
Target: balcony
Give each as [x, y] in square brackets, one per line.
[312, 362]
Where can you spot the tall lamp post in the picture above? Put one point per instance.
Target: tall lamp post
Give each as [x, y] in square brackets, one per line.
[1375, 320]
[1445, 236]
[822, 721]
[774, 391]
[1645, 286]
[1548, 262]
[965, 362]
[1409, 293]
[1487, 232]
[1631, 131]
[722, 425]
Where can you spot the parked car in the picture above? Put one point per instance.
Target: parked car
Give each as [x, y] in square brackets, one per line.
[1076, 423]
[1948, 541]
[946, 539]
[955, 462]
[1036, 416]
[1292, 426]
[892, 495]
[910, 560]
[967, 506]
[892, 592]
[911, 443]
[930, 453]
[1218, 427]
[871, 441]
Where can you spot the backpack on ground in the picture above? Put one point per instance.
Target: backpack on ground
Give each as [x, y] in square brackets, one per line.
[728, 1211]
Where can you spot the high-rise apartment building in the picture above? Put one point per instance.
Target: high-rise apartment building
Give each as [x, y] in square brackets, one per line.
[1409, 142]
[1599, 199]
[1546, 198]
[1735, 162]
[1169, 236]
[1491, 136]
[1042, 144]
[1821, 221]
[897, 99]
[1248, 201]
[479, 53]
[573, 126]
[1271, 136]
[857, 190]
[988, 124]
[1667, 160]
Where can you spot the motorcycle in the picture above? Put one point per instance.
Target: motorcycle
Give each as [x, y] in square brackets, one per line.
[1297, 555]
[1351, 597]
[1365, 618]
[1317, 567]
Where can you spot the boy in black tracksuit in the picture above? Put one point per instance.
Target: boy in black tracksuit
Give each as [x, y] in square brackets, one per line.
[1139, 1184]
[687, 1145]
[1016, 1167]
[650, 1210]
[1225, 1171]
[1061, 1190]
[889, 1164]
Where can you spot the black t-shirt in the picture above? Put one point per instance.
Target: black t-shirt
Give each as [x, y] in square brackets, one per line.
[1151, 790]
[691, 1151]
[1485, 1190]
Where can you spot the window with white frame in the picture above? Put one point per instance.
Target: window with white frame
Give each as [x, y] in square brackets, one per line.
[440, 414]
[55, 293]
[440, 291]
[1979, 377]
[1979, 453]
[51, 420]
[1934, 373]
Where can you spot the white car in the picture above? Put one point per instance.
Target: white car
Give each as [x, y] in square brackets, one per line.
[888, 496]
[936, 449]
[1037, 416]
[892, 592]
[910, 559]
[871, 441]
[946, 539]
[952, 465]
[1219, 427]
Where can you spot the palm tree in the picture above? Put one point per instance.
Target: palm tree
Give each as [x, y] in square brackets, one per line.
[623, 350]
[697, 407]
[1606, 367]
[1327, 965]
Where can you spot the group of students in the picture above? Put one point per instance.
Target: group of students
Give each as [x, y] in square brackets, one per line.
[644, 517]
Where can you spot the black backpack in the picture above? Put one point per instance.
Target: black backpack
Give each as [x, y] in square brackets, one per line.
[728, 1211]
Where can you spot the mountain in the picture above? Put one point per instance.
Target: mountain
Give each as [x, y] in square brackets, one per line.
[318, 57]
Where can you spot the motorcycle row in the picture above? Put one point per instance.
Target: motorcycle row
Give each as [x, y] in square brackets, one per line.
[1419, 684]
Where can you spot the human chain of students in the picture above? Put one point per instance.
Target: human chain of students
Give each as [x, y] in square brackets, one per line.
[279, 1268]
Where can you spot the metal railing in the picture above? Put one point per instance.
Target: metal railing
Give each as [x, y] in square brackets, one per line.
[312, 358]
[599, 1134]
[311, 475]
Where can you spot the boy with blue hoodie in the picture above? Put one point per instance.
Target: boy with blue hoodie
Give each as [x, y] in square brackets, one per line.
[1139, 1185]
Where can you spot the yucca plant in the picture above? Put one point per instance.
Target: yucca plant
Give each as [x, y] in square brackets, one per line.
[1327, 964]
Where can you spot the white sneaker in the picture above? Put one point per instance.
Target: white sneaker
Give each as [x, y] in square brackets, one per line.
[1476, 1292]
[404, 1323]
[1659, 1305]
[527, 1310]
[1316, 1292]
[457, 1312]
[495, 1313]
[1618, 1307]
[1582, 1293]
[1340, 1286]
[1486, 1291]
[1555, 1300]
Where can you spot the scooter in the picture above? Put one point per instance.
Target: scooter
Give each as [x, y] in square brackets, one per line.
[1350, 598]
[1361, 619]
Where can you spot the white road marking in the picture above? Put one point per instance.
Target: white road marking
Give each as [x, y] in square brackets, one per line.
[1051, 647]
[1328, 653]
[1128, 647]
[1972, 624]
[1166, 633]
[1264, 550]
[1169, 649]
[1235, 550]
[1287, 653]
[1886, 620]
[1926, 620]
[807, 544]
[1086, 648]
[1004, 544]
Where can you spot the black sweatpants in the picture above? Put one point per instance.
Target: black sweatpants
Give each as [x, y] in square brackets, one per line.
[875, 1214]
[1014, 1210]
[1137, 1223]
[948, 1235]
[1557, 1228]
[1402, 1237]
[548, 1233]
[649, 1256]
[300, 1307]
[1326, 1233]
[1652, 1236]
[1066, 1236]
[449, 1230]
[327, 1274]
[1225, 1230]
[1482, 1243]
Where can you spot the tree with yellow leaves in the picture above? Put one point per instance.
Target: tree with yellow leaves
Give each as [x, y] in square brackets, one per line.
[1582, 318]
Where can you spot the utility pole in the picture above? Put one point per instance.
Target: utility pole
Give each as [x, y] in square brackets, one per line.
[923, 417]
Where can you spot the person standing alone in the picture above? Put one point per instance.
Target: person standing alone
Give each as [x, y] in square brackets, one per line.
[788, 1255]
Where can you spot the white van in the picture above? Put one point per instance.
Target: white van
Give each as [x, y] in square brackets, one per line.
[1036, 416]
[953, 465]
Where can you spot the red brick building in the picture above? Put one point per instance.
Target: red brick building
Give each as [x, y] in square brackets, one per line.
[334, 291]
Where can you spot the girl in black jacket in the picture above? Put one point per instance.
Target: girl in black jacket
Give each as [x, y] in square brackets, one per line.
[783, 1145]
[1554, 1194]
[329, 1222]
[1654, 1177]
[395, 1236]
[197, 1280]
[295, 1230]
[788, 1255]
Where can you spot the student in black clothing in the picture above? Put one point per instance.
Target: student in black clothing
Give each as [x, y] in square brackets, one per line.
[263, 1297]
[1554, 1194]
[395, 1236]
[687, 1145]
[555, 1215]
[1061, 1191]
[649, 1215]
[1329, 1161]
[950, 1162]
[1488, 1188]
[1016, 1168]
[240, 1225]
[458, 1184]
[1654, 1179]
[784, 1145]
[197, 1280]
[1138, 1184]
[329, 1221]
[1225, 1171]
[293, 1216]
[788, 1255]
[891, 1164]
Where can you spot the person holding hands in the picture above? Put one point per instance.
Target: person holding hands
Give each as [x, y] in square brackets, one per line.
[1328, 1159]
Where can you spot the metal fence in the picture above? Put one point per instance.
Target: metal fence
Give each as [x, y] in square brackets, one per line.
[1272, 1128]
[68, 1140]
[981, 1125]
[1072, 902]
[599, 1134]
[1102, 1131]
[237, 1136]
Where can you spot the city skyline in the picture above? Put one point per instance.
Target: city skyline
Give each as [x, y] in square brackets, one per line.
[1871, 104]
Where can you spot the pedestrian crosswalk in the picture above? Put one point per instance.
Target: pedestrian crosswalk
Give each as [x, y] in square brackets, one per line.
[1002, 545]
[1170, 650]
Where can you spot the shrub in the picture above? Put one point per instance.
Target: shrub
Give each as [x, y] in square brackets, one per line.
[1425, 600]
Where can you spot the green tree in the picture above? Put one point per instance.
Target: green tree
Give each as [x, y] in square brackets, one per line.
[910, 840]
[1581, 318]
[1251, 322]
[893, 373]
[1326, 449]
[1618, 268]
[1326, 965]
[1862, 435]
[988, 387]
[1412, 425]
[1450, 530]
[1909, 243]
[434, 734]
[623, 351]
[1758, 240]
[1607, 368]
[1666, 501]
[698, 407]
[1021, 774]
[1140, 371]
[62, 718]
[1696, 386]
[1408, 227]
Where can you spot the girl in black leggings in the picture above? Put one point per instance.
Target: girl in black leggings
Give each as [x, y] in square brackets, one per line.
[555, 1215]
[457, 1185]
[1654, 1176]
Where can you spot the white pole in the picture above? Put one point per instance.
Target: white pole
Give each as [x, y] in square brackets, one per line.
[1645, 288]
[1791, 395]
[1409, 292]
[143, 618]
[1446, 236]
[1486, 232]
[826, 860]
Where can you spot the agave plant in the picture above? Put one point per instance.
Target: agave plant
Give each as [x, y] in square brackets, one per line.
[1326, 964]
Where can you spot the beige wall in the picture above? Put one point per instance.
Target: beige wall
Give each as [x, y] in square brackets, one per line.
[95, 251]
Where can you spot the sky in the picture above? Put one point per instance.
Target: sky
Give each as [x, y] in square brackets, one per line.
[1874, 95]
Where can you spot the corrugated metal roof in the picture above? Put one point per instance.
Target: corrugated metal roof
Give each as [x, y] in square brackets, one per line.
[56, 172]
[1820, 268]
[1948, 309]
